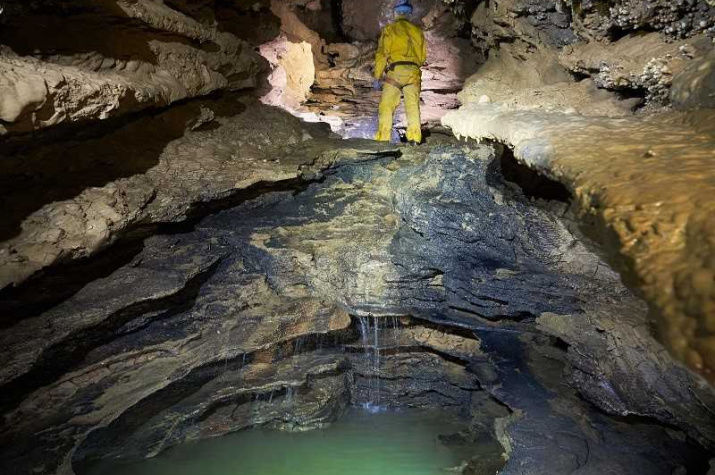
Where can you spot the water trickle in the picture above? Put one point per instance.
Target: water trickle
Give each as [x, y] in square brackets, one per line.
[376, 369]
[395, 332]
[370, 329]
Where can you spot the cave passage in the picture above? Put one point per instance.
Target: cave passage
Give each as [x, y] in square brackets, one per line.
[208, 265]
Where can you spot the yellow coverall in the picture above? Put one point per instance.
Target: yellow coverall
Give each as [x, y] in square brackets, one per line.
[400, 41]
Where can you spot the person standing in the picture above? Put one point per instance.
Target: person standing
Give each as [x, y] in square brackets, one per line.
[401, 52]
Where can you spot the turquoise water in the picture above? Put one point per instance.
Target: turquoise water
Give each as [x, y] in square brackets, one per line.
[364, 443]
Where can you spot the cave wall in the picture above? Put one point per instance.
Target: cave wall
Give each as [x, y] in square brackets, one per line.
[118, 63]
[97, 60]
[630, 49]
[341, 93]
[592, 102]
[244, 319]
[182, 261]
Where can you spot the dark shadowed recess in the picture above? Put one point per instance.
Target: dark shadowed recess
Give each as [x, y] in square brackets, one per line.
[79, 157]
[251, 21]
[328, 20]
[69, 353]
[54, 285]
[533, 184]
[73, 28]
[121, 429]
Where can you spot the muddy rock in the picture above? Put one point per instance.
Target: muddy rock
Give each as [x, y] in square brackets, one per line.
[694, 87]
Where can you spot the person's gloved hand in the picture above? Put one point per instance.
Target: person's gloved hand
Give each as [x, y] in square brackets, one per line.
[376, 84]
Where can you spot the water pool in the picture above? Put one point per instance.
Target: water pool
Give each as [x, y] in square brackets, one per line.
[360, 443]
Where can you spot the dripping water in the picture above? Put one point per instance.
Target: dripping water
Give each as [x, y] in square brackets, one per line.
[377, 366]
[370, 341]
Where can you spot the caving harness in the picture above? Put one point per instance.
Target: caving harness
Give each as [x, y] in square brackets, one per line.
[392, 67]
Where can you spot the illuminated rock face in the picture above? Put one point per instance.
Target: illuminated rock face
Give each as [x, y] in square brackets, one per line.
[342, 93]
[293, 72]
[177, 273]
[646, 185]
[102, 60]
[644, 181]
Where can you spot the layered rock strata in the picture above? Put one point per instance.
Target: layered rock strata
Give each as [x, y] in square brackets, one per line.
[571, 91]
[99, 60]
[651, 203]
[157, 170]
[257, 271]
[244, 319]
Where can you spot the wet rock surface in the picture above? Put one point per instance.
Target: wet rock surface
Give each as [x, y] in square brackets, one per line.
[150, 171]
[629, 65]
[657, 225]
[179, 262]
[244, 319]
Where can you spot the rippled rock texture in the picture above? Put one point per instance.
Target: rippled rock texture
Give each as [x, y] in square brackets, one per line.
[180, 262]
[74, 197]
[97, 60]
[581, 112]
[97, 82]
[402, 277]
[651, 203]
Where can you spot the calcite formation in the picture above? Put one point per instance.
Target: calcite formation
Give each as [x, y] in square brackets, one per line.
[647, 184]
[646, 63]
[642, 183]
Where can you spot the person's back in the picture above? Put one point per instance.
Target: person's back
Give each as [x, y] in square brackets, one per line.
[402, 41]
[400, 53]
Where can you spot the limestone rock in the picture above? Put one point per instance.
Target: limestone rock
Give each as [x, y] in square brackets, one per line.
[168, 174]
[636, 62]
[252, 317]
[654, 218]
[694, 87]
[130, 69]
